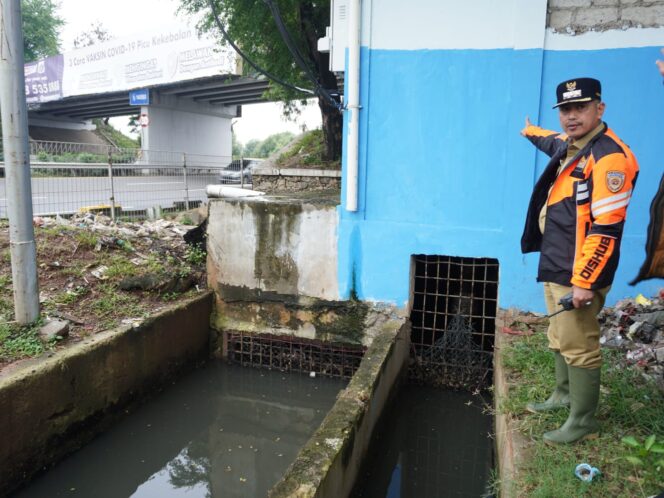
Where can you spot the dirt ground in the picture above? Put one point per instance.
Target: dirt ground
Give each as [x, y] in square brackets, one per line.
[97, 275]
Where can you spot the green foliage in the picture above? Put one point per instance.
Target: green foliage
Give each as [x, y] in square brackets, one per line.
[117, 137]
[19, 342]
[251, 25]
[647, 455]
[238, 149]
[195, 256]
[308, 151]
[628, 405]
[40, 28]
[111, 299]
[268, 146]
[86, 238]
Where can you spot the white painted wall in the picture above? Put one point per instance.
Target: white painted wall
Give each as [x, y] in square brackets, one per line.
[444, 24]
[311, 243]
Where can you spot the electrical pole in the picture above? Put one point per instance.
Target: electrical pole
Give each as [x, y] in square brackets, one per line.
[17, 164]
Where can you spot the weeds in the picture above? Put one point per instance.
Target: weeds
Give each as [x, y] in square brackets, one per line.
[18, 342]
[195, 255]
[628, 406]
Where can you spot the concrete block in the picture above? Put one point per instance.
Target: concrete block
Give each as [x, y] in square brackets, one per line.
[629, 2]
[596, 16]
[602, 3]
[647, 16]
[53, 329]
[565, 4]
[560, 19]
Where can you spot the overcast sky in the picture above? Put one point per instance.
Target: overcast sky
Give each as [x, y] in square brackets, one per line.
[125, 17]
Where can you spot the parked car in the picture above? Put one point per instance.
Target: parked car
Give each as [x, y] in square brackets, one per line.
[238, 169]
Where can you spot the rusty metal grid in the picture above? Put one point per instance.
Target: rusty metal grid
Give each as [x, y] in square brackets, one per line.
[292, 354]
[453, 311]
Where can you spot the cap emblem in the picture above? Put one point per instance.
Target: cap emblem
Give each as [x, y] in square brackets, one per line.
[571, 85]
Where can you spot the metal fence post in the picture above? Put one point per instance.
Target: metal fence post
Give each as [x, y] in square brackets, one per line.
[186, 181]
[110, 179]
[241, 172]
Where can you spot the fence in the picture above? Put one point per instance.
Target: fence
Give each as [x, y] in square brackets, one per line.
[122, 182]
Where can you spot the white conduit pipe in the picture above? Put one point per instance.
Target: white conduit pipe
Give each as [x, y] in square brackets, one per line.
[353, 105]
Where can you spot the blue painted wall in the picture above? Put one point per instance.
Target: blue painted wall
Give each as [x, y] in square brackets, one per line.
[443, 169]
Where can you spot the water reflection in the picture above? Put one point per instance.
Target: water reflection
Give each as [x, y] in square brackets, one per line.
[432, 443]
[221, 431]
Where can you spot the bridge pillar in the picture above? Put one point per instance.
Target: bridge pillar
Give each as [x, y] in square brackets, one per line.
[179, 125]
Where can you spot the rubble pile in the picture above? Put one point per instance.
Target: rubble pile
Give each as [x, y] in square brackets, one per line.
[636, 327]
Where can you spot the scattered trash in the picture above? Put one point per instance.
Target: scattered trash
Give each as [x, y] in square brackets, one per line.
[312, 374]
[99, 272]
[642, 300]
[585, 472]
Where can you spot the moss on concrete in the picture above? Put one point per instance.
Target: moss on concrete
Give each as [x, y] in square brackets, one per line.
[324, 462]
[273, 266]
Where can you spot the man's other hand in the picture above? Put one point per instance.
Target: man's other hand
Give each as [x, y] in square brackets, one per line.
[581, 297]
[528, 123]
[660, 65]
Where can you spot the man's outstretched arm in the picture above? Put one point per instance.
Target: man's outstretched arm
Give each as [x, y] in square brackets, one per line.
[545, 140]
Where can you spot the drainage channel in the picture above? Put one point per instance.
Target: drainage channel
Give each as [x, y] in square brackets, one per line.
[223, 430]
[435, 439]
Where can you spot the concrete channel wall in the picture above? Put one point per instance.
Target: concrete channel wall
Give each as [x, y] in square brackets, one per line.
[53, 406]
[329, 464]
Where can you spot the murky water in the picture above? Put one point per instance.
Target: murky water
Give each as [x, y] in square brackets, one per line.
[432, 443]
[223, 430]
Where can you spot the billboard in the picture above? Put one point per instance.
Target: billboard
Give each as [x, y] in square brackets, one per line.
[172, 54]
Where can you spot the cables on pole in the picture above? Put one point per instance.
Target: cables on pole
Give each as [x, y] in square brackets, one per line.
[270, 76]
[297, 55]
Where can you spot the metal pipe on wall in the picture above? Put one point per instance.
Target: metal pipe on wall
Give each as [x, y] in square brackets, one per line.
[353, 106]
[17, 164]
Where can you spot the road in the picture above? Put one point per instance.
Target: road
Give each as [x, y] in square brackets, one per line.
[66, 195]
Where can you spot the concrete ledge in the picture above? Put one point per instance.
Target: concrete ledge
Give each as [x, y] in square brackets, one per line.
[52, 406]
[328, 465]
[510, 444]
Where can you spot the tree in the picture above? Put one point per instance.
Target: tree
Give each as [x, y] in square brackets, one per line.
[40, 28]
[97, 33]
[251, 25]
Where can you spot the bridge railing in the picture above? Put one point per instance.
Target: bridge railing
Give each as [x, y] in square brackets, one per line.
[127, 183]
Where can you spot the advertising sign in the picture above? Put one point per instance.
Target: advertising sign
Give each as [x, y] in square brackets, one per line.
[43, 79]
[173, 54]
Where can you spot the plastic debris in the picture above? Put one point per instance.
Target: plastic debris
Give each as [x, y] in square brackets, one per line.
[100, 272]
[642, 300]
[585, 472]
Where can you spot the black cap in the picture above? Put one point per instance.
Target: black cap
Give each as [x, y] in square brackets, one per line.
[578, 90]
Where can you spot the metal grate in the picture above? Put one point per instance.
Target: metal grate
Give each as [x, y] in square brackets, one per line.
[292, 354]
[453, 311]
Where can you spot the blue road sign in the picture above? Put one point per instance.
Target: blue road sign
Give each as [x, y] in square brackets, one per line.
[139, 97]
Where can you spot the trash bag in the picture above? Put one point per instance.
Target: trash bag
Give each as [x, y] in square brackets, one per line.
[653, 266]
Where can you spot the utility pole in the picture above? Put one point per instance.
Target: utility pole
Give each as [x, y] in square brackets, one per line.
[17, 164]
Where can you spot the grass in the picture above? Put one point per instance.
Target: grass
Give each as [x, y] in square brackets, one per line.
[308, 152]
[629, 405]
[18, 342]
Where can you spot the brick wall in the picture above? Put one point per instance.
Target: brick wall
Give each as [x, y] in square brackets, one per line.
[578, 16]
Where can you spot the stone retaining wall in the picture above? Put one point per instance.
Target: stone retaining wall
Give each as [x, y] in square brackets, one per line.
[578, 16]
[295, 180]
[53, 406]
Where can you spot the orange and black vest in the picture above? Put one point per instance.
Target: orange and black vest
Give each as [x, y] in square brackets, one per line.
[586, 208]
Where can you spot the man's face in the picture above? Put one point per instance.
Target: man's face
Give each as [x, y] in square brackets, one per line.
[580, 118]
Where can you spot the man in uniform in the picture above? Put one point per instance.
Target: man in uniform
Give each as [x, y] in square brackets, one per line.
[575, 220]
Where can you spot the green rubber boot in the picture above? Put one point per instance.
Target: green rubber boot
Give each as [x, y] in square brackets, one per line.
[560, 396]
[584, 398]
